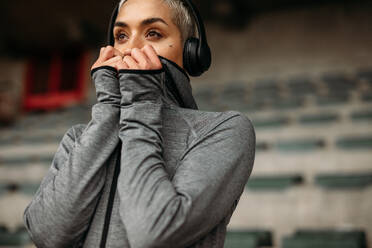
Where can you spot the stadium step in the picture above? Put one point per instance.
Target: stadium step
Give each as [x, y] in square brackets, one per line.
[325, 239]
[343, 181]
[279, 182]
[248, 238]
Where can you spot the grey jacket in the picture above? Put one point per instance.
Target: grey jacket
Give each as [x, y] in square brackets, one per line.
[181, 172]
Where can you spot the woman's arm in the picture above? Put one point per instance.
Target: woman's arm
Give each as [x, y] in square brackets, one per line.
[60, 212]
[159, 211]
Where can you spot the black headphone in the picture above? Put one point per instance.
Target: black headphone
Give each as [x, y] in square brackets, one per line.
[196, 52]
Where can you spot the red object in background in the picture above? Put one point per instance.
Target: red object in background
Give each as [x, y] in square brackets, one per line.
[55, 81]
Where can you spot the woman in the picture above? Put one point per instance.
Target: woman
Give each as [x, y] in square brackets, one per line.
[149, 169]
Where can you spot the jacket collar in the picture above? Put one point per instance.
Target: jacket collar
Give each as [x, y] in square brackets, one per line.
[178, 84]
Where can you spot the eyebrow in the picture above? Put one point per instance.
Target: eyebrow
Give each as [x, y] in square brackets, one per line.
[143, 23]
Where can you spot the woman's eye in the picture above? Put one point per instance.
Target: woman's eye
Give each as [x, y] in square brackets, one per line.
[153, 33]
[120, 36]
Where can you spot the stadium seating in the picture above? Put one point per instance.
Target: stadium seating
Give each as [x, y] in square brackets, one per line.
[248, 239]
[361, 115]
[344, 181]
[307, 144]
[325, 239]
[313, 151]
[276, 182]
[18, 238]
[319, 118]
[355, 142]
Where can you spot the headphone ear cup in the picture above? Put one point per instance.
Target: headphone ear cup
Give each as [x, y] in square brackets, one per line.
[191, 58]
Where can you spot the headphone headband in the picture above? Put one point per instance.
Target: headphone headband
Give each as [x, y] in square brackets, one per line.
[198, 20]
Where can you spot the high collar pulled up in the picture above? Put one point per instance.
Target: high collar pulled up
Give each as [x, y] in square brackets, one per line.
[178, 84]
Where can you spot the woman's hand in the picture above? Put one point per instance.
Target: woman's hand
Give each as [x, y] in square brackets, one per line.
[108, 56]
[138, 59]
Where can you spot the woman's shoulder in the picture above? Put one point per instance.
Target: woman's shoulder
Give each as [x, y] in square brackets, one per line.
[205, 121]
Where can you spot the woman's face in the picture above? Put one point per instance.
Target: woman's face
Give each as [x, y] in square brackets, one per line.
[148, 22]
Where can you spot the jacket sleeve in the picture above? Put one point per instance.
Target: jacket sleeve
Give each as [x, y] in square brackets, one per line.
[159, 211]
[60, 211]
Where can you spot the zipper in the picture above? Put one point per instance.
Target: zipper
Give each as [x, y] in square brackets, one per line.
[111, 199]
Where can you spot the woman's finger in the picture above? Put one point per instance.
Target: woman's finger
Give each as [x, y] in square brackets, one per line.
[131, 62]
[142, 60]
[107, 53]
[151, 54]
[113, 61]
[118, 53]
[121, 65]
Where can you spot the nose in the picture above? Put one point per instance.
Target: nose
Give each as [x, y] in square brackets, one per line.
[135, 41]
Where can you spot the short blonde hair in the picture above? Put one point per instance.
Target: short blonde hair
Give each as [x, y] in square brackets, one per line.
[181, 17]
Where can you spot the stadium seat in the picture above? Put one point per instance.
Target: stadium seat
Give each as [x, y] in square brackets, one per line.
[332, 99]
[29, 188]
[320, 118]
[366, 96]
[235, 89]
[205, 98]
[3, 189]
[342, 181]
[42, 139]
[365, 74]
[233, 96]
[308, 144]
[287, 103]
[337, 82]
[25, 160]
[325, 239]
[254, 106]
[248, 238]
[364, 115]
[301, 86]
[262, 146]
[355, 142]
[26, 188]
[271, 122]
[18, 238]
[4, 141]
[264, 88]
[277, 182]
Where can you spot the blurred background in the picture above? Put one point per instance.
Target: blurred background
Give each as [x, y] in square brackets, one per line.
[300, 70]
